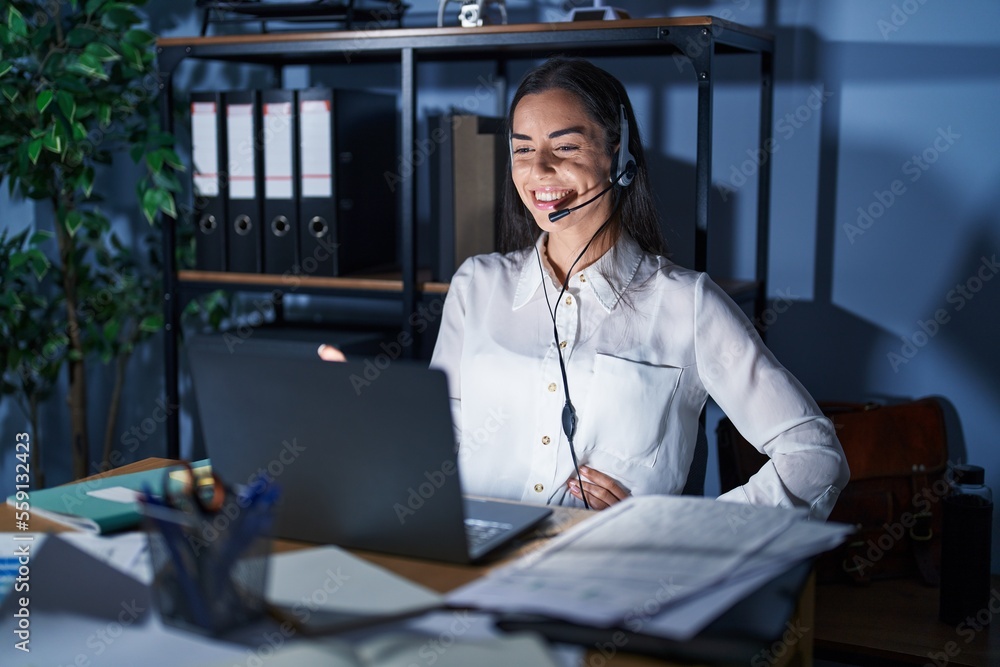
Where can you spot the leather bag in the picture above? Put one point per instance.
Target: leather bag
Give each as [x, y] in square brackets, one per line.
[898, 456]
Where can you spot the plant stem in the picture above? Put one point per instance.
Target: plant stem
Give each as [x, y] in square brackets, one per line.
[77, 397]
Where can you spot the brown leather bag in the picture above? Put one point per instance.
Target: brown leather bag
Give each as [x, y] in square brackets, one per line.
[898, 456]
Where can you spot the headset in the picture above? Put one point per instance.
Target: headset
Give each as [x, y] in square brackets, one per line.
[623, 172]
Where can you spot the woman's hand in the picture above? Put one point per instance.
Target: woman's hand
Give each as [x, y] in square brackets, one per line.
[602, 491]
[330, 353]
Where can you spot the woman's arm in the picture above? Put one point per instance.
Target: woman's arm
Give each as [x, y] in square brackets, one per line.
[771, 409]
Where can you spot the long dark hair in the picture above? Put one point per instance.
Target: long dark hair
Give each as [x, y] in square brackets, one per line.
[600, 93]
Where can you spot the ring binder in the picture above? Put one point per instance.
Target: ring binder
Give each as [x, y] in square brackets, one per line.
[208, 153]
[242, 123]
[280, 210]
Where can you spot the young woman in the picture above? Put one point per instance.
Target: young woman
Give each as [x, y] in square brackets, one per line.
[580, 358]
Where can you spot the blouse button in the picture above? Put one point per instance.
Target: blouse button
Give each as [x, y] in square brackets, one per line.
[546, 440]
[569, 301]
[552, 386]
[539, 488]
[562, 344]
[583, 278]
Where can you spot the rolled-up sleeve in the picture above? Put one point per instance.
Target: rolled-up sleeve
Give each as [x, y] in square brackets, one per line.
[771, 409]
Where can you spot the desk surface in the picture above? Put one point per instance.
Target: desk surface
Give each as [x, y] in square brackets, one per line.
[443, 577]
[897, 620]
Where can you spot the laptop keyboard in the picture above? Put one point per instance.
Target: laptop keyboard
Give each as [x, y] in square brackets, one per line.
[478, 532]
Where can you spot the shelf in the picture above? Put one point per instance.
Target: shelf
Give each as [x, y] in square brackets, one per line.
[453, 42]
[694, 40]
[374, 282]
[392, 283]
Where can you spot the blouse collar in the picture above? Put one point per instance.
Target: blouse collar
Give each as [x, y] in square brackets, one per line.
[629, 255]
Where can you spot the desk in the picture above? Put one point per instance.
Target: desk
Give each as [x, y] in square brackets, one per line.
[445, 577]
[896, 621]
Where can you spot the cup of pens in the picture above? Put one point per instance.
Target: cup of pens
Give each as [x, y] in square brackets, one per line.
[209, 546]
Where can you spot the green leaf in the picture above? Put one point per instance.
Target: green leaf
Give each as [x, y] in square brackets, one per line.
[151, 204]
[104, 114]
[8, 140]
[111, 329]
[151, 323]
[139, 38]
[172, 159]
[39, 263]
[79, 36]
[16, 23]
[44, 99]
[73, 221]
[118, 15]
[67, 105]
[131, 55]
[34, 150]
[41, 236]
[10, 92]
[52, 141]
[79, 131]
[93, 5]
[5, 66]
[102, 52]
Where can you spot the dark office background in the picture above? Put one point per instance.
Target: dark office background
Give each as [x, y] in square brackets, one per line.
[867, 93]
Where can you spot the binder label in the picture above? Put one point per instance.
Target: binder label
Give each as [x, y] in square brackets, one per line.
[278, 150]
[205, 148]
[316, 149]
[239, 133]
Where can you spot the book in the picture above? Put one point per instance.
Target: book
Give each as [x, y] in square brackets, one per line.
[101, 505]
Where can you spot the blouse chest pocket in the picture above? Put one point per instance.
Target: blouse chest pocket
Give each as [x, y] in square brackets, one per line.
[628, 407]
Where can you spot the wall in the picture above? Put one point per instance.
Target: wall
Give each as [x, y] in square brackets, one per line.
[886, 106]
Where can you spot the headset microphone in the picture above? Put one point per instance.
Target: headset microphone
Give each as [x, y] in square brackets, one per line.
[559, 215]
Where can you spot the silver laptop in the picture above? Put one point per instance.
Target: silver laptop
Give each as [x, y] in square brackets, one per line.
[364, 452]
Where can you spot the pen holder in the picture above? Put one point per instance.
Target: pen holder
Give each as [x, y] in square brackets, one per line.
[209, 568]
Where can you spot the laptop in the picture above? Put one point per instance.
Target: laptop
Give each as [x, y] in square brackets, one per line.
[364, 451]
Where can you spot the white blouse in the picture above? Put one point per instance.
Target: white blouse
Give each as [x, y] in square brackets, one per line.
[640, 368]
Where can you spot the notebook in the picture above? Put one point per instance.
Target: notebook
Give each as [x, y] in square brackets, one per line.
[364, 451]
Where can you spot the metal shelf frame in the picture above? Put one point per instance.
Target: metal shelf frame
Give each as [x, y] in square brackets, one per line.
[695, 39]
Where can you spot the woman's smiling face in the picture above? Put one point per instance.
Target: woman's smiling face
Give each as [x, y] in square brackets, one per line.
[559, 160]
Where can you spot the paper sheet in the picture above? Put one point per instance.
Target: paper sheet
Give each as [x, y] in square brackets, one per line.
[658, 549]
[328, 580]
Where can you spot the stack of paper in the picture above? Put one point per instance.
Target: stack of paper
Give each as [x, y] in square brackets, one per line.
[661, 565]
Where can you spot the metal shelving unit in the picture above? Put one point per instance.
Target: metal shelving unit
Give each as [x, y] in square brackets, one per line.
[697, 39]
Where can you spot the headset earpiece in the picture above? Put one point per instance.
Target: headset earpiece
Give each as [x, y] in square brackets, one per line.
[623, 165]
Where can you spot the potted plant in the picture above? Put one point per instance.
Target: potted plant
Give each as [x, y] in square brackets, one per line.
[78, 84]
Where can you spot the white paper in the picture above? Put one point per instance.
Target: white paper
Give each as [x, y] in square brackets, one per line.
[117, 494]
[278, 150]
[651, 549]
[239, 135]
[330, 579]
[801, 540]
[126, 552]
[316, 148]
[205, 148]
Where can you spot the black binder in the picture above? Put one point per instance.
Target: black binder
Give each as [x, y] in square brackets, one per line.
[208, 157]
[244, 201]
[281, 227]
[348, 208]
